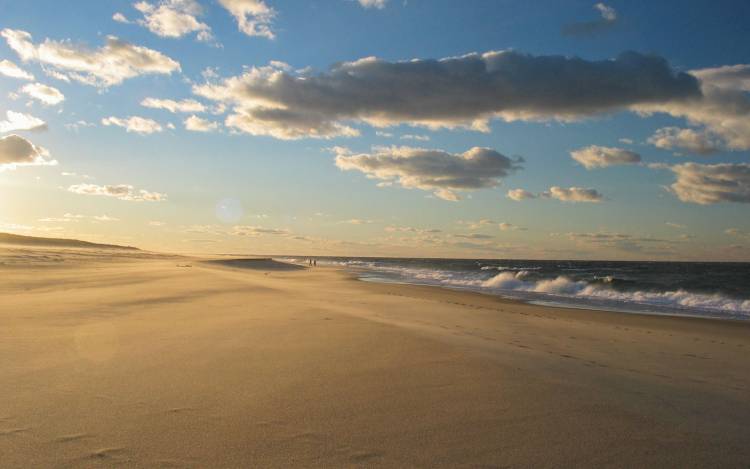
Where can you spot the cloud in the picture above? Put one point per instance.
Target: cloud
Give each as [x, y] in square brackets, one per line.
[473, 236]
[379, 4]
[410, 229]
[700, 142]
[421, 138]
[594, 156]
[573, 194]
[674, 225]
[607, 21]
[722, 108]
[504, 226]
[626, 141]
[139, 125]
[196, 124]
[465, 91]
[242, 230]
[173, 18]
[253, 17]
[109, 65]
[476, 225]
[185, 105]
[80, 124]
[120, 191]
[622, 241]
[19, 121]
[706, 184]
[432, 170]
[10, 69]
[120, 18]
[565, 194]
[520, 194]
[47, 95]
[71, 217]
[358, 221]
[17, 151]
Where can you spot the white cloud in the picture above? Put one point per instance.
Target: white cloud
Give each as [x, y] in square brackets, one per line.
[595, 156]
[379, 4]
[10, 69]
[584, 28]
[573, 194]
[253, 17]
[185, 105]
[504, 226]
[624, 241]
[431, 170]
[173, 18]
[706, 184]
[700, 142]
[47, 95]
[109, 65]
[196, 124]
[16, 151]
[421, 138]
[674, 225]
[19, 121]
[722, 109]
[358, 221]
[71, 217]
[135, 124]
[120, 18]
[464, 91]
[120, 191]
[520, 194]
[80, 124]
[626, 141]
[565, 194]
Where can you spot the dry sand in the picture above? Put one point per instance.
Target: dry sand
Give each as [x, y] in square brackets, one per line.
[138, 360]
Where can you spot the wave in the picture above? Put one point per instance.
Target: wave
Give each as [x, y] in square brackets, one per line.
[592, 288]
[564, 286]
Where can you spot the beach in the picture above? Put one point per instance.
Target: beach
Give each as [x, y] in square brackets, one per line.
[134, 359]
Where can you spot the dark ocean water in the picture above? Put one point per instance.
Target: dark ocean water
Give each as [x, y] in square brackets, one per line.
[707, 289]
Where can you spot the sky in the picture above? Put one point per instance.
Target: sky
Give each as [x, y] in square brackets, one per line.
[472, 129]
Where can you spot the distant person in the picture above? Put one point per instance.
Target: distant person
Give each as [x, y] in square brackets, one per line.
[315, 262]
[309, 262]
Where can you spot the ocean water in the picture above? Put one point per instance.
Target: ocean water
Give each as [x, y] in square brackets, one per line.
[705, 289]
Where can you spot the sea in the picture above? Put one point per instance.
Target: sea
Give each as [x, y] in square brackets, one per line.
[703, 289]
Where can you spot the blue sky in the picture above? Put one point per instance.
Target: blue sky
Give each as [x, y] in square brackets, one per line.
[294, 193]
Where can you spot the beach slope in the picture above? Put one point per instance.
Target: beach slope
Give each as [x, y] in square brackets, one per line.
[151, 361]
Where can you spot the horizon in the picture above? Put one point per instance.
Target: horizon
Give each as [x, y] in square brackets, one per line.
[433, 131]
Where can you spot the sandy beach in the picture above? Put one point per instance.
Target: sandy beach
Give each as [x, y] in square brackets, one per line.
[132, 359]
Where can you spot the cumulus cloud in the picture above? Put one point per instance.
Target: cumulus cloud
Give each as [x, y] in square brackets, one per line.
[120, 18]
[594, 156]
[173, 18]
[722, 109]
[109, 65]
[185, 105]
[520, 194]
[607, 20]
[438, 171]
[706, 184]
[700, 142]
[573, 194]
[139, 125]
[379, 4]
[196, 124]
[254, 17]
[19, 121]
[10, 69]
[16, 151]
[464, 91]
[565, 194]
[120, 191]
[47, 95]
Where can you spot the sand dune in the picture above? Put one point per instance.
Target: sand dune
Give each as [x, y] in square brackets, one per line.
[140, 362]
[21, 240]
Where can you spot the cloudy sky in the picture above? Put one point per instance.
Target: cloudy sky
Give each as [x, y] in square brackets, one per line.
[617, 130]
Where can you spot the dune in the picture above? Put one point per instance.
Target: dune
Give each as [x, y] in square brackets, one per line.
[133, 361]
[21, 240]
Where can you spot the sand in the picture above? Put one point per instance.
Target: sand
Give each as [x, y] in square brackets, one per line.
[117, 359]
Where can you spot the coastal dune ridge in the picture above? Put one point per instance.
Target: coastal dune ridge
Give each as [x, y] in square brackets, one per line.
[138, 359]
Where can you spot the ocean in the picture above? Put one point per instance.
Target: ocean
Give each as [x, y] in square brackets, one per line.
[703, 289]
